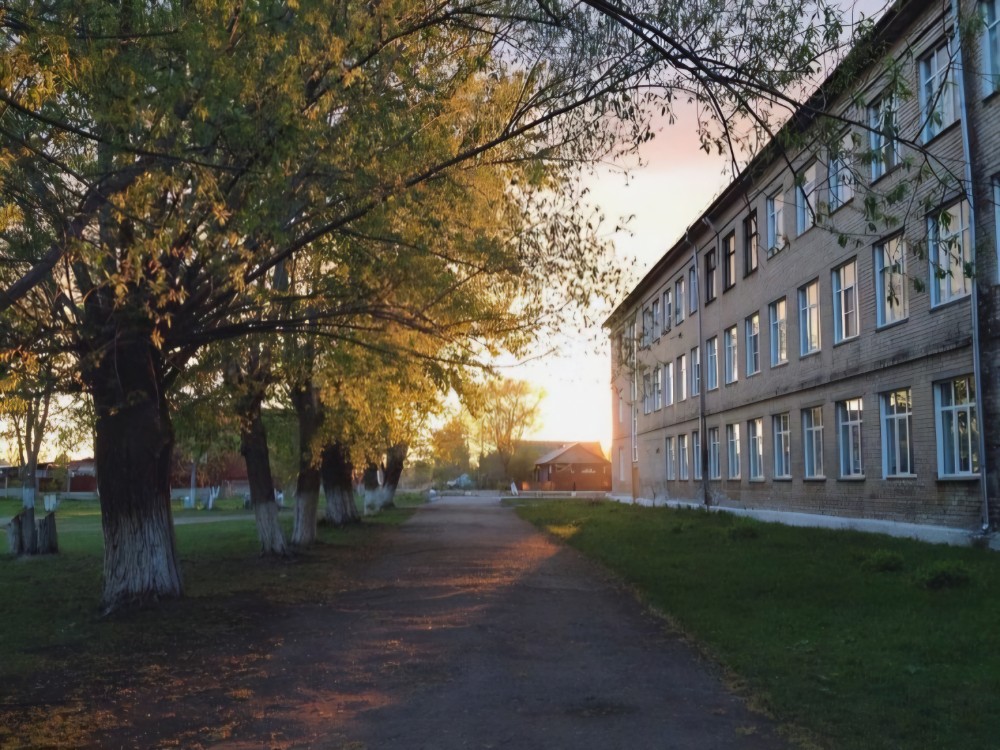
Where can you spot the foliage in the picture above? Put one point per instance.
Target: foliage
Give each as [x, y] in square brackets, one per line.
[882, 561]
[857, 660]
[505, 409]
[947, 574]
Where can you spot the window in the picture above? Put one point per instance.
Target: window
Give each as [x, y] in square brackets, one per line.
[668, 309]
[849, 416]
[671, 459]
[710, 272]
[805, 200]
[957, 428]
[712, 345]
[647, 327]
[755, 431]
[733, 451]
[882, 124]
[779, 332]
[938, 91]
[949, 253]
[845, 302]
[809, 318]
[696, 453]
[840, 176]
[782, 446]
[668, 383]
[750, 243]
[713, 453]
[775, 224]
[891, 287]
[681, 377]
[729, 261]
[657, 389]
[682, 456]
[655, 307]
[751, 328]
[897, 448]
[679, 300]
[647, 394]
[812, 441]
[732, 369]
[692, 289]
[695, 371]
[990, 46]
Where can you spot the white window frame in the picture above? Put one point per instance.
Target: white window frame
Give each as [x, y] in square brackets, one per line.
[892, 288]
[805, 200]
[733, 459]
[751, 334]
[681, 377]
[657, 389]
[647, 393]
[882, 127]
[809, 329]
[777, 313]
[989, 46]
[755, 435]
[948, 279]
[712, 364]
[668, 383]
[730, 336]
[714, 469]
[812, 442]
[655, 309]
[679, 301]
[692, 290]
[671, 460]
[850, 423]
[896, 414]
[938, 90]
[696, 453]
[682, 457]
[781, 427]
[695, 371]
[846, 323]
[840, 174]
[951, 444]
[729, 261]
[668, 309]
[775, 223]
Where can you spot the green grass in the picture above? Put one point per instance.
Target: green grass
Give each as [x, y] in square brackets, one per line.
[50, 603]
[863, 641]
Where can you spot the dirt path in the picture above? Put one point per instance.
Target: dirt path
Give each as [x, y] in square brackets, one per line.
[470, 631]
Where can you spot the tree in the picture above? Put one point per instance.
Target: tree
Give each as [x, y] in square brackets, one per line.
[163, 160]
[506, 409]
[450, 448]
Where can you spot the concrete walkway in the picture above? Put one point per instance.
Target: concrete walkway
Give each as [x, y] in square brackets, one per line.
[475, 631]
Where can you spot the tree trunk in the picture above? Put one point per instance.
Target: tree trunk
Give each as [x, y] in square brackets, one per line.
[306, 400]
[132, 451]
[15, 536]
[253, 446]
[48, 542]
[372, 487]
[395, 458]
[29, 536]
[338, 485]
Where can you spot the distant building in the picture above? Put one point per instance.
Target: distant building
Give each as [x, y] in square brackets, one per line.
[572, 467]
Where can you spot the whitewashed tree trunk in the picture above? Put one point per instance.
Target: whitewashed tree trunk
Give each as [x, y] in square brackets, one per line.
[305, 398]
[306, 511]
[29, 538]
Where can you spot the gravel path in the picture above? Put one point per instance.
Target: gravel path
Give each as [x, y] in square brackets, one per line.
[476, 631]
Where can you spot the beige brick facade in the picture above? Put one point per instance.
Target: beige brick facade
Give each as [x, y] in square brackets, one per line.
[863, 358]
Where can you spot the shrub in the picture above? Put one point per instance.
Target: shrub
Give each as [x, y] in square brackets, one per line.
[943, 575]
[882, 561]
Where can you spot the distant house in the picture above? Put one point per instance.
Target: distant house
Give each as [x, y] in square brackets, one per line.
[572, 467]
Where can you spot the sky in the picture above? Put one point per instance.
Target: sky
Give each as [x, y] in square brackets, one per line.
[673, 185]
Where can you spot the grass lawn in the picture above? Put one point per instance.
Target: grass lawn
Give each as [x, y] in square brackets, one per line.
[50, 603]
[860, 640]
